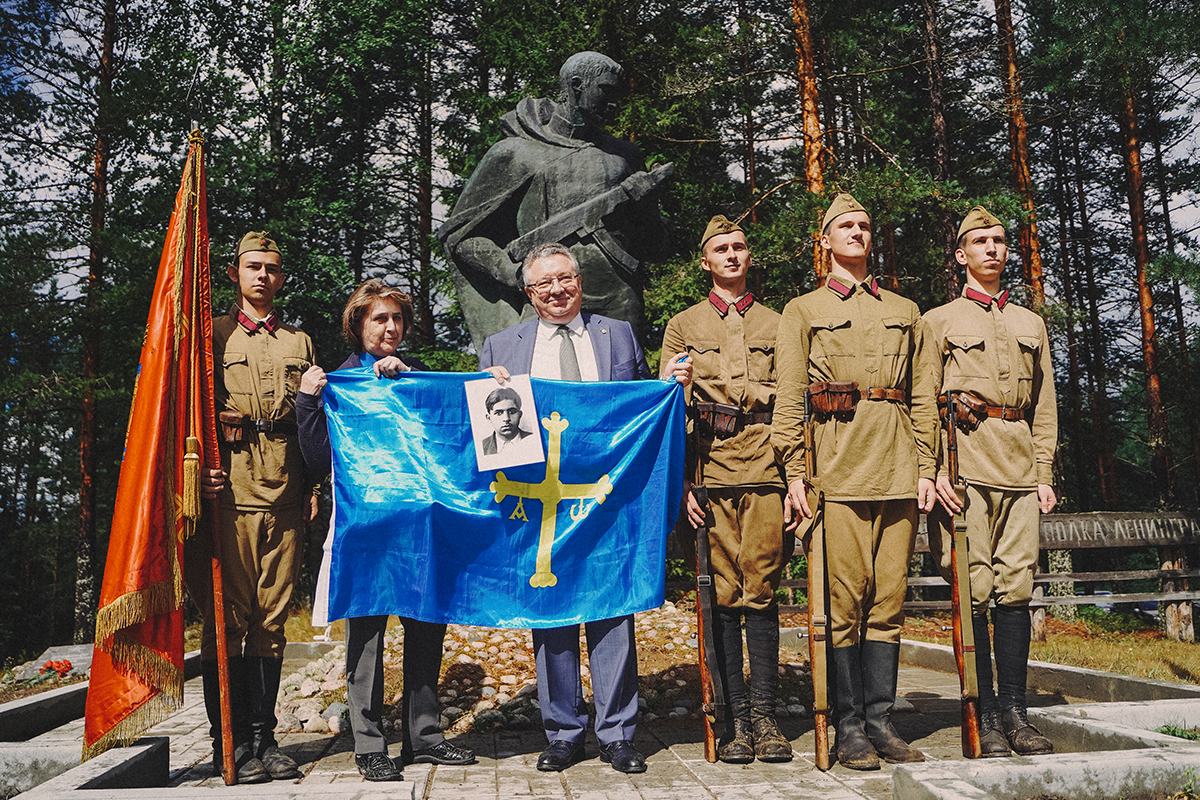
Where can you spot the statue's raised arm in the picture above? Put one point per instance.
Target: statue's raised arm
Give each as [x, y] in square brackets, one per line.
[558, 177]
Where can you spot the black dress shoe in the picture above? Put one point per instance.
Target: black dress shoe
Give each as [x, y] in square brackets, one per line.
[377, 767]
[559, 755]
[623, 756]
[442, 753]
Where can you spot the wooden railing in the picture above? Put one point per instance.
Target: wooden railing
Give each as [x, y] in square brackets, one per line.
[1170, 535]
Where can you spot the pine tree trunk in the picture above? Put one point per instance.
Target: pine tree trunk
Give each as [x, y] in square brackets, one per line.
[276, 203]
[1184, 355]
[85, 579]
[1101, 415]
[423, 280]
[941, 143]
[811, 116]
[1160, 457]
[749, 161]
[1018, 135]
[1074, 377]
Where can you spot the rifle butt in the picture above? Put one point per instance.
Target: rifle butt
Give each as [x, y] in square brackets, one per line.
[821, 721]
[971, 746]
[710, 740]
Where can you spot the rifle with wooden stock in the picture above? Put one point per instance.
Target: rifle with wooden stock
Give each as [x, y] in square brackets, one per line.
[712, 690]
[814, 553]
[960, 592]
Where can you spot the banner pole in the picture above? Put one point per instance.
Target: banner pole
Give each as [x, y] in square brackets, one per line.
[218, 595]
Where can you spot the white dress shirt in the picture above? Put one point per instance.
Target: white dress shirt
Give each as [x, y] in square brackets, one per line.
[546, 349]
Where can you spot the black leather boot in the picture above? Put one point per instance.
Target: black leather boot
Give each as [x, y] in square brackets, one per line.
[992, 743]
[880, 665]
[248, 767]
[851, 746]
[762, 644]
[737, 743]
[264, 675]
[1012, 664]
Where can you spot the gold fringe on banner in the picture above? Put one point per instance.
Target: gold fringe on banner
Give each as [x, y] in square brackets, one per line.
[135, 607]
[149, 666]
[130, 729]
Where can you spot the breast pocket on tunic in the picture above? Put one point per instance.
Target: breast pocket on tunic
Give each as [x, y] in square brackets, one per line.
[706, 360]
[761, 361]
[832, 339]
[236, 374]
[966, 355]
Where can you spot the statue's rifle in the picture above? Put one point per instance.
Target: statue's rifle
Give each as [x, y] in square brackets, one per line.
[587, 219]
[818, 622]
[960, 593]
[712, 691]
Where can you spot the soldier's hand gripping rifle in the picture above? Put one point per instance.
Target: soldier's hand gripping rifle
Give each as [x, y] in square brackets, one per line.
[814, 553]
[960, 592]
[712, 691]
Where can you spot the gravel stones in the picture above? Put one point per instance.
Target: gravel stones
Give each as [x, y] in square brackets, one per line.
[488, 679]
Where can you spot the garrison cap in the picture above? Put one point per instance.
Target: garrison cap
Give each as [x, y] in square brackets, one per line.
[842, 204]
[978, 217]
[257, 241]
[718, 226]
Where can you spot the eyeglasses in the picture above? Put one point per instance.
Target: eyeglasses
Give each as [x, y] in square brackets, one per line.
[544, 286]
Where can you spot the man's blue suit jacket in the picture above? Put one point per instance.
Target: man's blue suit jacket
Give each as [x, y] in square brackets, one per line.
[619, 357]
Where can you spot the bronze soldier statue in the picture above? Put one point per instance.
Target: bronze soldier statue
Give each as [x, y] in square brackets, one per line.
[557, 177]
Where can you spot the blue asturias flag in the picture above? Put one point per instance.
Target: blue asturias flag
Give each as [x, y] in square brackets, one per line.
[421, 533]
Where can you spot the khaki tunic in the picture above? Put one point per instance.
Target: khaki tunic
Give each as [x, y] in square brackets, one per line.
[1001, 355]
[879, 342]
[733, 356]
[733, 362]
[262, 506]
[258, 373]
[867, 466]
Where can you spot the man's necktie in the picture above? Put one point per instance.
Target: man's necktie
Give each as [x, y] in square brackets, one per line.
[568, 361]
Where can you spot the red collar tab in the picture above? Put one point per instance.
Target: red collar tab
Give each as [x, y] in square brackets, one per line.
[843, 291]
[720, 305]
[985, 300]
[741, 304]
[270, 323]
[871, 287]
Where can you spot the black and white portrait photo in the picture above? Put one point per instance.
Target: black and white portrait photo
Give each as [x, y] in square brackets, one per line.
[504, 423]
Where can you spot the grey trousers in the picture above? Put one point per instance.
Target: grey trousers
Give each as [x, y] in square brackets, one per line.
[364, 682]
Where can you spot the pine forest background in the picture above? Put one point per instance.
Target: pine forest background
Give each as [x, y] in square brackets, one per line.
[347, 127]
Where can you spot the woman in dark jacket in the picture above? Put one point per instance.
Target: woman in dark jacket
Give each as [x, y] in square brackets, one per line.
[375, 320]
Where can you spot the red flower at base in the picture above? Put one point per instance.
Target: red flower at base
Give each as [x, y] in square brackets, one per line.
[61, 667]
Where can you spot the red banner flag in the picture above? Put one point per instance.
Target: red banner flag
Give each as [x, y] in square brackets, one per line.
[137, 670]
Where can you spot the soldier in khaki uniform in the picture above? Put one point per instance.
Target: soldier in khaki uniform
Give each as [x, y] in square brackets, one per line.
[996, 356]
[874, 464]
[265, 502]
[731, 340]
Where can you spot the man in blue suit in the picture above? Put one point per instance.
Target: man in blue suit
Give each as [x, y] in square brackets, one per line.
[564, 344]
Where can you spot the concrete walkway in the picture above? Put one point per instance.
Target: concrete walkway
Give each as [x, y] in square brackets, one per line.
[928, 715]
